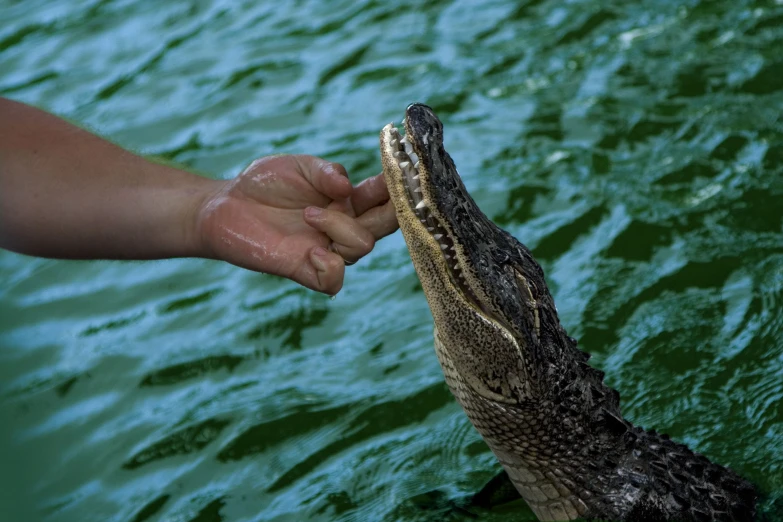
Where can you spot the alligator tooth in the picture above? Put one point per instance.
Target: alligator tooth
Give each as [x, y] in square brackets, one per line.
[417, 189]
[408, 148]
[404, 140]
[443, 246]
[416, 166]
[404, 164]
[447, 256]
[416, 176]
[395, 143]
[437, 236]
[456, 266]
[429, 229]
[421, 205]
[424, 221]
[537, 323]
[414, 158]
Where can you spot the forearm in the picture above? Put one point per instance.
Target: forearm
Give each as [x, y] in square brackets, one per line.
[67, 193]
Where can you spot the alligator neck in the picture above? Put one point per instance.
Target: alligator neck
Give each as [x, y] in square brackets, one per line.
[569, 462]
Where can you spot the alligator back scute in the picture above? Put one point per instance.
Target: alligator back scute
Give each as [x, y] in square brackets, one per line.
[679, 484]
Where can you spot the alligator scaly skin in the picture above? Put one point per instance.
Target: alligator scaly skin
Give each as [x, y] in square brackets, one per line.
[547, 415]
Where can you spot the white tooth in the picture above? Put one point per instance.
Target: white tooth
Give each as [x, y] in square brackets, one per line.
[414, 157]
[443, 246]
[405, 164]
[408, 149]
[429, 229]
[447, 256]
[421, 204]
[437, 236]
[417, 189]
[404, 139]
[416, 176]
[403, 121]
[456, 266]
[416, 166]
[422, 220]
[395, 143]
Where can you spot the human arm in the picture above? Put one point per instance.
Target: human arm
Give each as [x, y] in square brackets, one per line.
[67, 193]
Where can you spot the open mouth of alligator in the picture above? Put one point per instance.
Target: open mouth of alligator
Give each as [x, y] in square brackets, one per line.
[413, 177]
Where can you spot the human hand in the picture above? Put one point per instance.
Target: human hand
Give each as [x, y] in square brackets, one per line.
[298, 217]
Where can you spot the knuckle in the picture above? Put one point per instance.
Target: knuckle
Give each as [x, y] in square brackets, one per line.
[368, 244]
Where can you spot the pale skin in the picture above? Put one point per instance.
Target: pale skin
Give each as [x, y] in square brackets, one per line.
[66, 193]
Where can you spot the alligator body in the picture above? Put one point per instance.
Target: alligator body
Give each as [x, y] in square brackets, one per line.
[546, 414]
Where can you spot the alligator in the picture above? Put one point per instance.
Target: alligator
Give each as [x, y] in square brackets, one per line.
[545, 413]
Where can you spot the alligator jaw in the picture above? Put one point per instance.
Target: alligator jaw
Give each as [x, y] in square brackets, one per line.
[423, 223]
[472, 329]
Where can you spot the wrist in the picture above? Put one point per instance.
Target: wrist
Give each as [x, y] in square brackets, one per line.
[198, 197]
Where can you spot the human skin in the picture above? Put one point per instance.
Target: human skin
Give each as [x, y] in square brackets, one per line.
[66, 193]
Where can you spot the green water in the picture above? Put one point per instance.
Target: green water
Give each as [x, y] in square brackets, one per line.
[636, 147]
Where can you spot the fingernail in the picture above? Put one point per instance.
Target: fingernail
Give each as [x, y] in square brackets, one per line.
[330, 168]
[318, 262]
[313, 212]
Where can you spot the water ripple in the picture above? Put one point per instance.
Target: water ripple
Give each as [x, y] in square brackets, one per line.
[635, 147]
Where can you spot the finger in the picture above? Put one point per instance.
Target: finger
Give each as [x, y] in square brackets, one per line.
[380, 221]
[342, 205]
[327, 177]
[352, 239]
[329, 271]
[369, 193]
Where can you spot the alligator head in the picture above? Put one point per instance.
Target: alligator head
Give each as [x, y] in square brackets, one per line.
[546, 414]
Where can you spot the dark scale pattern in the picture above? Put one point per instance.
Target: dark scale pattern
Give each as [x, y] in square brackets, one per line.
[564, 470]
[554, 425]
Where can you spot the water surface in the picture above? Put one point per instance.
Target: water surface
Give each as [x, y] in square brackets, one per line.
[636, 147]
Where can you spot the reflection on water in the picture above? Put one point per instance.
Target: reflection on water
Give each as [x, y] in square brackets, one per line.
[637, 148]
